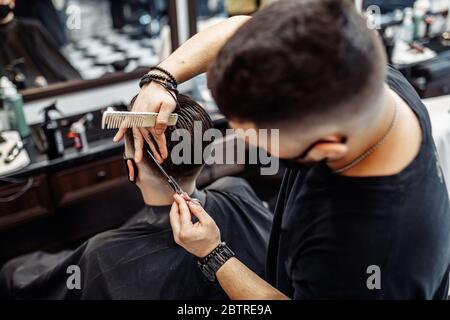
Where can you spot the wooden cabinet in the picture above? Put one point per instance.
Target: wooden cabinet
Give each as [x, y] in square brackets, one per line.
[72, 185]
[54, 190]
[34, 202]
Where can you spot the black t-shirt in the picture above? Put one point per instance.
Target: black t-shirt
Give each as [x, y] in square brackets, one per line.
[336, 237]
[140, 260]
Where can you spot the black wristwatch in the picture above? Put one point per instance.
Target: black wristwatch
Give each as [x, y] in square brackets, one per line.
[213, 261]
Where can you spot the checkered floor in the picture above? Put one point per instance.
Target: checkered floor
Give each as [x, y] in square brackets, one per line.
[96, 56]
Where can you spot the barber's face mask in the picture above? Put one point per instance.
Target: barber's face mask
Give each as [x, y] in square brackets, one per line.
[299, 163]
[299, 166]
[5, 9]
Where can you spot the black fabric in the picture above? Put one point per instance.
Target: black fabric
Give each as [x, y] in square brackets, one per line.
[45, 12]
[328, 229]
[23, 38]
[140, 260]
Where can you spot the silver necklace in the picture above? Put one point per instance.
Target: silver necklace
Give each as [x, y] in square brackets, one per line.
[369, 151]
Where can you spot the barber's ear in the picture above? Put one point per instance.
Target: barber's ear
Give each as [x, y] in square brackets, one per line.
[332, 148]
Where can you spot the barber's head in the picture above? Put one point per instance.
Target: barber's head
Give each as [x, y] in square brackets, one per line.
[310, 68]
[191, 117]
[6, 9]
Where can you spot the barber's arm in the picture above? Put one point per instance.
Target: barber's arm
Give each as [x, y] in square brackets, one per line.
[202, 237]
[194, 56]
[189, 60]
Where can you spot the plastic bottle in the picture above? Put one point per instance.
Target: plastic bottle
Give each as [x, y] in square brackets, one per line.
[78, 133]
[13, 105]
[4, 118]
[408, 26]
[421, 8]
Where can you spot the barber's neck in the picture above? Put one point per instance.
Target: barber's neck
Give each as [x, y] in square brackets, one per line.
[375, 163]
[157, 192]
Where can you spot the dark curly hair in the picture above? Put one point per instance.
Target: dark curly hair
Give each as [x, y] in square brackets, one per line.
[296, 60]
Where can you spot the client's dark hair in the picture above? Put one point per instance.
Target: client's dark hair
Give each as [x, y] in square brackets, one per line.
[188, 112]
[294, 60]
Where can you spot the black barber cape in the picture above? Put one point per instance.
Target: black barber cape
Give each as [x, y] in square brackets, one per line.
[337, 237]
[27, 39]
[140, 260]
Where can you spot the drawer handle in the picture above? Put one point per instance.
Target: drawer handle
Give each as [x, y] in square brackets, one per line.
[18, 194]
[101, 175]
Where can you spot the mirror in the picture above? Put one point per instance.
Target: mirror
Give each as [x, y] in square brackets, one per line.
[50, 42]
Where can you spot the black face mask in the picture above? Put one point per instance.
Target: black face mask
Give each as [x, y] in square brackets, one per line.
[295, 165]
[5, 9]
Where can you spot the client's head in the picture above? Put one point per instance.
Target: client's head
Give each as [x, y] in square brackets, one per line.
[191, 118]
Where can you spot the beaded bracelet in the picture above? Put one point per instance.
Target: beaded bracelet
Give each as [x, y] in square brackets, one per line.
[149, 77]
[167, 73]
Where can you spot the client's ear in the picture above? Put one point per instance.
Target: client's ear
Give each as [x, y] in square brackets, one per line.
[131, 170]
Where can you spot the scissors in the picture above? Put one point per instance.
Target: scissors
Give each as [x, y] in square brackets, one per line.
[171, 181]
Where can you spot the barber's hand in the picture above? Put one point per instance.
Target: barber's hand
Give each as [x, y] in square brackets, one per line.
[198, 238]
[152, 98]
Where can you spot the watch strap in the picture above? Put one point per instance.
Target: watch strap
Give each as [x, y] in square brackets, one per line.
[210, 264]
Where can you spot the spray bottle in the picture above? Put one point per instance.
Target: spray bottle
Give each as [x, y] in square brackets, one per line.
[55, 145]
[78, 132]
